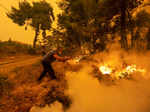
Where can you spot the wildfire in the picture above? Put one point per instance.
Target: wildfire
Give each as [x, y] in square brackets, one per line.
[105, 70]
[124, 72]
[75, 60]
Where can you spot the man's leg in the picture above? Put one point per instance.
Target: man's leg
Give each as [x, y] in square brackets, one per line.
[42, 75]
[51, 72]
[45, 66]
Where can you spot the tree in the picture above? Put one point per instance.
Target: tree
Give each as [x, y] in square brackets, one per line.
[136, 24]
[126, 6]
[90, 20]
[38, 15]
[79, 20]
[148, 39]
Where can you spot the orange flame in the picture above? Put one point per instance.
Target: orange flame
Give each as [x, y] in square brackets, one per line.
[105, 70]
[130, 69]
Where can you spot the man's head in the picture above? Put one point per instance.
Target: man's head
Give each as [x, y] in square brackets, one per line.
[43, 47]
[60, 50]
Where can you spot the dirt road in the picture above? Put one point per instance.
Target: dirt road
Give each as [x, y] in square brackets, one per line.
[8, 65]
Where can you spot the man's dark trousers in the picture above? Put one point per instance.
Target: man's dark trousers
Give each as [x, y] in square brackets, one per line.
[47, 68]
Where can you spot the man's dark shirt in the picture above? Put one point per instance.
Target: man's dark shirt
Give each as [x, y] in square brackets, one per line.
[49, 57]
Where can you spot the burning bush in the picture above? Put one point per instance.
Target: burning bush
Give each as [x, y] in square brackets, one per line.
[124, 72]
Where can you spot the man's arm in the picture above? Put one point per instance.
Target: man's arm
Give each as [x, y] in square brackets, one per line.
[61, 58]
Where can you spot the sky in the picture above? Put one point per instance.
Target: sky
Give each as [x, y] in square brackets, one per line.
[8, 29]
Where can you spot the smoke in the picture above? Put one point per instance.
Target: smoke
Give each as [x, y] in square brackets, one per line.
[90, 95]
[55, 107]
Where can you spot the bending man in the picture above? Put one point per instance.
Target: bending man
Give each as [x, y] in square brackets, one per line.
[47, 61]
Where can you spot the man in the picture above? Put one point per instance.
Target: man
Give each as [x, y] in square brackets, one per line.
[43, 49]
[47, 61]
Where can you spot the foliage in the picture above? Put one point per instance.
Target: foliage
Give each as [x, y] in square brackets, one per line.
[139, 22]
[38, 15]
[85, 24]
[86, 21]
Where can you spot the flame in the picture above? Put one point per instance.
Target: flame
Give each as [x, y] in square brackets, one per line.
[105, 70]
[130, 69]
[75, 60]
[124, 72]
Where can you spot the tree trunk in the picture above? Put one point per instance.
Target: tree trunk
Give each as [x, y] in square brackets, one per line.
[132, 39]
[44, 34]
[136, 38]
[123, 8]
[148, 39]
[35, 37]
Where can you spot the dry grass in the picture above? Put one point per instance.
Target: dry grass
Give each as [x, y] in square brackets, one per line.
[21, 90]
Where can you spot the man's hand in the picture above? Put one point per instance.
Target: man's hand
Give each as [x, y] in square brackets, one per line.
[67, 58]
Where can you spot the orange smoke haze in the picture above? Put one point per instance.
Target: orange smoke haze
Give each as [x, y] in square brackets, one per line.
[90, 95]
[11, 30]
[126, 95]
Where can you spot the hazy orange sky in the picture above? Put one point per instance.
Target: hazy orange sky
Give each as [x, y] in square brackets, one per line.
[8, 29]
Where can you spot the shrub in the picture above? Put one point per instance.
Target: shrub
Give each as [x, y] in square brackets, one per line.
[5, 85]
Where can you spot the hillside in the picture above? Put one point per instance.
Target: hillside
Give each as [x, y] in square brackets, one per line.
[12, 48]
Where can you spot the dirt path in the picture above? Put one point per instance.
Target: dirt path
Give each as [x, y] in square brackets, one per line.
[8, 65]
